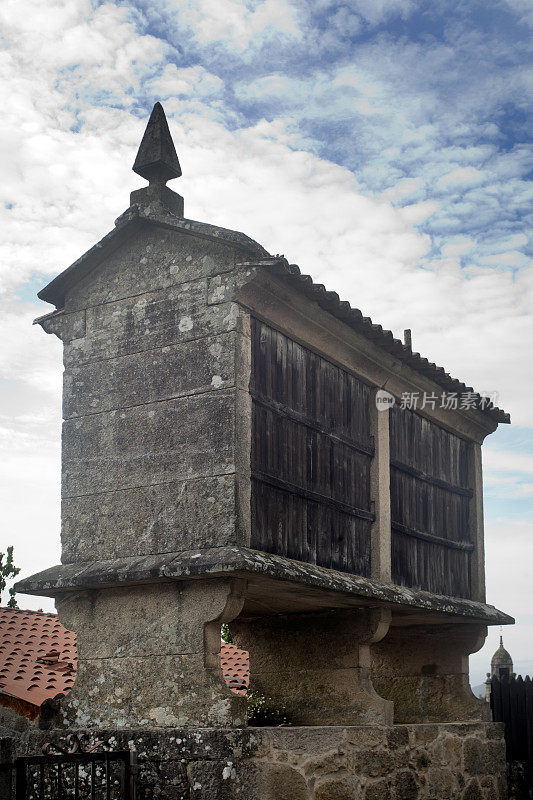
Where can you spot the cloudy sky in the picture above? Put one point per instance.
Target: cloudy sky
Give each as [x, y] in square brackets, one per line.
[380, 144]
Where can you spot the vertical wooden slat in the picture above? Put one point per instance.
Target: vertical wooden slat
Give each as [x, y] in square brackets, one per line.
[286, 373]
[422, 504]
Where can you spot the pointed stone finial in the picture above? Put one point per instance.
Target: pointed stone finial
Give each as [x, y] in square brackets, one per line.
[157, 161]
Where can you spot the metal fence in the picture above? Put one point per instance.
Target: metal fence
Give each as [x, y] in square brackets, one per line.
[104, 775]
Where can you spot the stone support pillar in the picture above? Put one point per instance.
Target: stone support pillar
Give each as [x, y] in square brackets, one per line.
[477, 559]
[317, 666]
[380, 494]
[149, 655]
[423, 670]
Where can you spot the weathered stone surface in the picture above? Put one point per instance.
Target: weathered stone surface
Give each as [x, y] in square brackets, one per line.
[201, 365]
[164, 670]
[406, 786]
[149, 444]
[165, 518]
[371, 763]
[398, 737]
[156, 159]
[306, 582]
[325, 653]
[378, 790]
[166, 619]
[149, 321]
[472, 791]
[281, 782]
[344, 788]
[163, 780]
[482, 757]
[127, 692]
[65, 326]
[440, 783]
[212, 779]
[307, 741]
[152, 258]
[423, 670]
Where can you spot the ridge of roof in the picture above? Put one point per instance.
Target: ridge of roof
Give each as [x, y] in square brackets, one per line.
[382, 337]
[137, 216]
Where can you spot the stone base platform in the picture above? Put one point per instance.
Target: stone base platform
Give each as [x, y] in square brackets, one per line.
[463, 761]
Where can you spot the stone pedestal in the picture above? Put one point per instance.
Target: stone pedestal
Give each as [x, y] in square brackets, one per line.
[423, 670]
[149, 655]
[317, 666]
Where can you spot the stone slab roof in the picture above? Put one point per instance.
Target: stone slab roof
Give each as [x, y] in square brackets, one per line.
[135, 216]
[38, 659]
[308, 584]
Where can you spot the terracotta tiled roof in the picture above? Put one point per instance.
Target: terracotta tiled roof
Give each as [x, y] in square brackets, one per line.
[235, 665]
[38, 657]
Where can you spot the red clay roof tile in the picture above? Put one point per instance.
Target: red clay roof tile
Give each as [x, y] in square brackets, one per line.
[38, 656]
[235, 665]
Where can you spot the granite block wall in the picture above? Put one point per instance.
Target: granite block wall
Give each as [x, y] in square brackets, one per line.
[464, 761]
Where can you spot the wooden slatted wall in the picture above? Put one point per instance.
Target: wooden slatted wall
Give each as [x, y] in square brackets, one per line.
[430, 498]
[311, 456]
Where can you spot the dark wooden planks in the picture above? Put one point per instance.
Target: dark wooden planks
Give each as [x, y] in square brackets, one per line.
[430, 505]
[311, 455]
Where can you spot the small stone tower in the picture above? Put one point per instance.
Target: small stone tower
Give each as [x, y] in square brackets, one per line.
[501, 666]
[225, 460]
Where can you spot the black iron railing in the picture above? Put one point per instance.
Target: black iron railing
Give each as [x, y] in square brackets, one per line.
[77, 776]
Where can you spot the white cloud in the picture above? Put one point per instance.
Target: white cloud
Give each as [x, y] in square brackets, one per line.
[405, 187]
[418, 212]
[508, 550]
[513, 258]
[458, 246]
[375, 11]
[55, 58]
[503, 461]
[236, 23]
[186, 82]
[523, 9]
[461, 175]
[30, 430]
